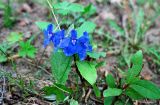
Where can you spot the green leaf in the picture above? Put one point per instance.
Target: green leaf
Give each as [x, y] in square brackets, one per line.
[110, 81]
[8, 19]
[96, 91]
[146, 89]
[100, 64]
[88, 71]
[119, 102]
[112, 92]
[139, 20]
[26, 49]
[61, 66]
[42, 25]
[108, 100]
[5, 46]
[134, 71]
[89, 10]
[73, 102]
[133, 94]
[137, 58]
[86, 26]
[116, 27]
[96, 55]
[63, 88]
[52, 90]
[65, 8]
[14, 37]
[3, 58]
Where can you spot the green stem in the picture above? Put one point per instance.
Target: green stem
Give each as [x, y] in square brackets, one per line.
[51, 7]
[81, 78]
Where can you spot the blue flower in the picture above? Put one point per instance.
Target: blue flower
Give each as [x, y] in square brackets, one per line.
[59, 40]
[48, 35]
[83, 46]
[70, 45]
[78, 45]
[71, 49]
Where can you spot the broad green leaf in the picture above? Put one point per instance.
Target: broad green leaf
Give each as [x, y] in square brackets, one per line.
[65, 8]
[96, 91]
[108, 100]
[146, 89]
[86, 26]
[88, 71]
[112, 92]
[42, 25]
[73, 102]
[61, 66]
[133, 94]
[26, 49]
[14, 37]
[96, 55]
[137, 58]
[110, 81]
[137, 63]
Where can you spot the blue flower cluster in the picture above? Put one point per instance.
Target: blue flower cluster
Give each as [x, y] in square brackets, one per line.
[70, 45]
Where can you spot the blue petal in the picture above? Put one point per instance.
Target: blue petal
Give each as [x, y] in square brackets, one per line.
[64, 42]
[50, 28]
[58, 36]
[89, 48]
[73, 34]
[82, 55]
[84, 38]
[70, 50]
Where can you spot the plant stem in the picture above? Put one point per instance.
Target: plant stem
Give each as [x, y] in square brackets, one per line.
[81, 78]
[51, 7]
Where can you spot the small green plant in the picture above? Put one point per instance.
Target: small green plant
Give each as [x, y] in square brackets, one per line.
[26, 49]
[16, 39]
[130, 86]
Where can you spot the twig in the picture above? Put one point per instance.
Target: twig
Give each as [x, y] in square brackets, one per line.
[136, 103]
[126, 101]
[88, 94]
[96, 100]
[83, 93]
[51, 7]
[32, 64]
[13, 57]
